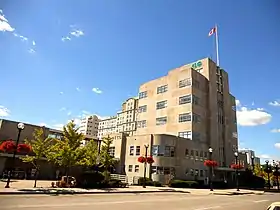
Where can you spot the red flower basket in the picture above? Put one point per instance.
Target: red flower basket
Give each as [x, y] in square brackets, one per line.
[150, 160]
[210, 163]
[8, 146]
[141, 159]
[24, 148]
[236, 166]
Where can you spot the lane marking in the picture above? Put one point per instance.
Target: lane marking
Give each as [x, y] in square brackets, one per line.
[259, 201]
[211, 207]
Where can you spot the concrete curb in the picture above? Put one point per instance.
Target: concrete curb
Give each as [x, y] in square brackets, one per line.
[83, 192]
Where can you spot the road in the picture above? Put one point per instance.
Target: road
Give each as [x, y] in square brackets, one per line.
[162, 201]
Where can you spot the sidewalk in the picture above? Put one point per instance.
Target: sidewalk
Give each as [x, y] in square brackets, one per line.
[43, 187]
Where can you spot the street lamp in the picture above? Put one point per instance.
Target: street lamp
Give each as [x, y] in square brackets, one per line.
[276, 172]
[20, 127]
[236, 170]
[268, 172]
[210, 150]
[145, 164]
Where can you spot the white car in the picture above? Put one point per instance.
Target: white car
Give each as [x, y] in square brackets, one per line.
[274, 206]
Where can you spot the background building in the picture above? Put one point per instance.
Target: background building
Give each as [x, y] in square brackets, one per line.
[107, 126]
[89, 126]
[249, 154]
[126, 118]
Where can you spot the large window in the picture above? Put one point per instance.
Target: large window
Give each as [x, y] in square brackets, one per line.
[169, 151]
[161, 104]
[163, 170]
[142, 124]
[142, 108]
[185, 82]
[185, 134]
[186, 117]
[131, 150]
[161, 120]
[162, 89]
[143, 94]
[185, 99]
[158, 150]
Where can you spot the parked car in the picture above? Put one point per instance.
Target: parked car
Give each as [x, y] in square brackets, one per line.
[274, 206]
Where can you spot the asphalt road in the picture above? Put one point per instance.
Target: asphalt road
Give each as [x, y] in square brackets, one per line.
[162, 201]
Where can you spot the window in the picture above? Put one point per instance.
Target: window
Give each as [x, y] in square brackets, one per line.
[112, 151]
[136, 169]
[185, 134]
[201, 154]
[143, 94]
[137, 150]
[195, 136]
[131, 150]
[130, 168]
[195, 100]
[185, 82]
[162, 89]
[185, 99]
[142, 124]
[201, 173]
[196, 153]
[158, 150]
[196, 118]
[142, 108]
[186, 152]
[161, 104]
[205, 154]
[185, 117]
[192, 152]
[169, 151]
[161, 120]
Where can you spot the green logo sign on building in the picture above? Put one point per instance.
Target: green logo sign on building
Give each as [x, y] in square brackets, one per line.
[197, 64]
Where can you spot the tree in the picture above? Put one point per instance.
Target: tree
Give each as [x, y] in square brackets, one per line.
[106, 160]
[67, 152]
[40, 146]
[89, 154]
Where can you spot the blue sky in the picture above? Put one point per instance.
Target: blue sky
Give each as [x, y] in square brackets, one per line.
[53, 53]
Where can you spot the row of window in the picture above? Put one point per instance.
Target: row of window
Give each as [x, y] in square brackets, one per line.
[134, 150]
[164, 88]
[185, 117]
[182, 100]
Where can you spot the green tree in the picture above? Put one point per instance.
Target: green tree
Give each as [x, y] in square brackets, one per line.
[106, 160]
[40, 146]
[89, 154]
[67, 151]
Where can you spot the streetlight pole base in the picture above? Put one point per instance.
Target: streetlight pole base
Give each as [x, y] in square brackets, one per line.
[144, 186]
[7, 186]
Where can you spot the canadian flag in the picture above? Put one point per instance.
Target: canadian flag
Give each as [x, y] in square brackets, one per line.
[212, 31]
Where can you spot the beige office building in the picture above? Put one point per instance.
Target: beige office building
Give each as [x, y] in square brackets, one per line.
[107, 127]
[180, 116]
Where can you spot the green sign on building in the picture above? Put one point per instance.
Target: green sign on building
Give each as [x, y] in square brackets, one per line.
[197, 65]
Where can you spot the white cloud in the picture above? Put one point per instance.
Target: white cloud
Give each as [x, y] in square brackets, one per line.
[252, 117]
[62, 109]
[77, 33]
[23, 38]
[277, 145]
[276, 130]
[97, 90]
[58, 126]
[78, 89]
[237, 102]
[76, 121]
[274, 103]
[69, 113]
[33, 43]
[2, 18]
[31, 51]
[43, 124]
[5, 26]
[65, 38]
[61, 93]
[102, 117]
[265, 156]
[4, 112]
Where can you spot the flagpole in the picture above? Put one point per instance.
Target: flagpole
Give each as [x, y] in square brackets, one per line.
[217, 45]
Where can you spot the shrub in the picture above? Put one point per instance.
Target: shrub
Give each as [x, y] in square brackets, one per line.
[148, 181]
[183, 184]
[157, 184]
[90, 180]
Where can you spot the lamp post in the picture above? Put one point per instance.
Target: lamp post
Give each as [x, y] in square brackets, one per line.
[236, 171]
[268, 173]
[210, 150]
[145, 164]
[20, 127]
[253, 163]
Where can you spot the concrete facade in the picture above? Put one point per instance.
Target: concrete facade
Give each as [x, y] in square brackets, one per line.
[194, 102]
[107, 126]
[89, 126]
